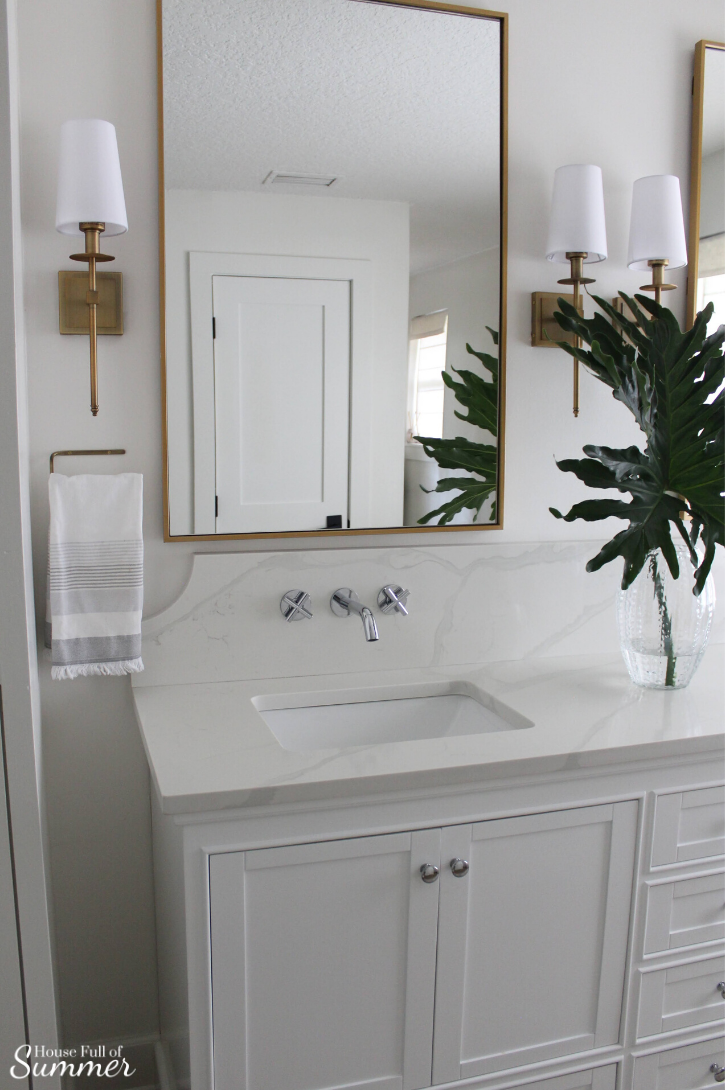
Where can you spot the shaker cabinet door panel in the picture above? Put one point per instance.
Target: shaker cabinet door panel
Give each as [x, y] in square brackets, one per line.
[532, 940]
[323, 965]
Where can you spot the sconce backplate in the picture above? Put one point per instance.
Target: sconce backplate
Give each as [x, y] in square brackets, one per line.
[545, 331]
[73, 306]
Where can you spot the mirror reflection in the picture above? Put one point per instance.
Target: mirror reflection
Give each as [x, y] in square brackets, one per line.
[333, 266]
[710, 269]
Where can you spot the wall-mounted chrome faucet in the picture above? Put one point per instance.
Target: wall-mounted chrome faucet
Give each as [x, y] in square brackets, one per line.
[344, 601]
[392, 599]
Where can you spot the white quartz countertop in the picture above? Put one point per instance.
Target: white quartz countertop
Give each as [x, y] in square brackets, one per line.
[209, 748]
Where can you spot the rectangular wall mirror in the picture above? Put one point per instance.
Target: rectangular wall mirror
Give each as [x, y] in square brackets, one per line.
[706, 245]
[333, 266]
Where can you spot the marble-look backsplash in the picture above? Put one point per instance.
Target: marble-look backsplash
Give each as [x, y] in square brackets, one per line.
[468, 604]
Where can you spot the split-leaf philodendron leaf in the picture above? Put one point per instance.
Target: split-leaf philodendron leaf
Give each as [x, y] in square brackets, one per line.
[480, 399]
[672, 382]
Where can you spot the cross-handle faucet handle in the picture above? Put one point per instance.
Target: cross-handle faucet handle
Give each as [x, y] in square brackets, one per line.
[392, 599]
[296, 605]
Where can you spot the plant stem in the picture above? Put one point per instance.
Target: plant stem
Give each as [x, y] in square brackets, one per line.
[665, 622]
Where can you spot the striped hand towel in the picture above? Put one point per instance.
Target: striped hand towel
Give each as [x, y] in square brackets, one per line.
[95, 574]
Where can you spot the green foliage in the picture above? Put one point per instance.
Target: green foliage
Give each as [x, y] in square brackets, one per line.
[480, 399]
[667, 379]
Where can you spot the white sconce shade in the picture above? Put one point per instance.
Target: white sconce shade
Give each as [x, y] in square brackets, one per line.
[656, 228]
[576, 224]
[90, 188]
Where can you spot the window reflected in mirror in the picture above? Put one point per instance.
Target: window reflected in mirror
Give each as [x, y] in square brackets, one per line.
[428, 337]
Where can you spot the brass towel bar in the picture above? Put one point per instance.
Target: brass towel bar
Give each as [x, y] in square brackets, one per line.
[67, 453]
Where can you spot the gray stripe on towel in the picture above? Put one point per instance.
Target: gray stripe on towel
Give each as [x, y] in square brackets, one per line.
[96, 649]
[93, 577]
[95, 550]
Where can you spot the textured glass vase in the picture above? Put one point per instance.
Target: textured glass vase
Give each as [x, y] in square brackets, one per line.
[663, 626]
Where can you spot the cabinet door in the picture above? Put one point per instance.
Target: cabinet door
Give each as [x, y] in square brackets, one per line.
[532, 939]
[323, 965]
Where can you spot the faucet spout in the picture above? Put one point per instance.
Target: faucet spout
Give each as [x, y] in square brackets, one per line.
[345, 601]
[369, 627]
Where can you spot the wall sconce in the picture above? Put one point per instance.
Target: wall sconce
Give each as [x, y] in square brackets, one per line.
[577, 234]
[657, 230]
[90, 203]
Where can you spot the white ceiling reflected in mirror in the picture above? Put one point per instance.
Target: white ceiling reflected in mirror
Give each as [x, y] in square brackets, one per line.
[706, 274]
[333, 238]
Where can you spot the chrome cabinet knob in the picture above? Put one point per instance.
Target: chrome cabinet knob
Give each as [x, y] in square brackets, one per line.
[718, 1072]
[296, 605]
[721, 988]
[429, 872]
[459, 867]
[392, 599]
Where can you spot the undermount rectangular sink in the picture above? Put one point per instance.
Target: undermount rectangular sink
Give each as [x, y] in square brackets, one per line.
[369, 717]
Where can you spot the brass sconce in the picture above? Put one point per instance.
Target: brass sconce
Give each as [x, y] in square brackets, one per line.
[657, 230]
[90, 202]
[577, 234]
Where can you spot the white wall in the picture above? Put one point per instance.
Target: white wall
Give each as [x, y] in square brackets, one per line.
[286, 224]
[579, 74]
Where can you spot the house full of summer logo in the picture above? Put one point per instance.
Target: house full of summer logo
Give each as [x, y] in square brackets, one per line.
[89, 1060]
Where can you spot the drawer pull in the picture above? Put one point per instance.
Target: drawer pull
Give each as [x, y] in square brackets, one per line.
[718, 1072]
[721, 988]
[429, 872]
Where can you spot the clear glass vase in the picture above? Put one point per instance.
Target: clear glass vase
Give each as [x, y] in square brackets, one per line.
[663, 626]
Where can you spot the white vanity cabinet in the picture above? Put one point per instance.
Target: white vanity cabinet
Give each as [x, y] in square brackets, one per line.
[577, 944]
[327, 959]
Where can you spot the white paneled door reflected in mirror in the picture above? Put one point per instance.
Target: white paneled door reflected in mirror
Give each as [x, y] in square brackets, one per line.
[333, 203]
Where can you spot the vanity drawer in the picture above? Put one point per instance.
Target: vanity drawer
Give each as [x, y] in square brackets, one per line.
[689, 825]
[682, 995]
[684, 1068]
[684, 912]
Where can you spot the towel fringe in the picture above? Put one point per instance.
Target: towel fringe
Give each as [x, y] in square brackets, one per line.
[91, 669]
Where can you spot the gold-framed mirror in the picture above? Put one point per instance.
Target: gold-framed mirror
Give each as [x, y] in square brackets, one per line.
[332, 198]
[706, 244]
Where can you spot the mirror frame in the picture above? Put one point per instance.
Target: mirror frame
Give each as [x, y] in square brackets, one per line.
[424, 5]
[693, 239]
